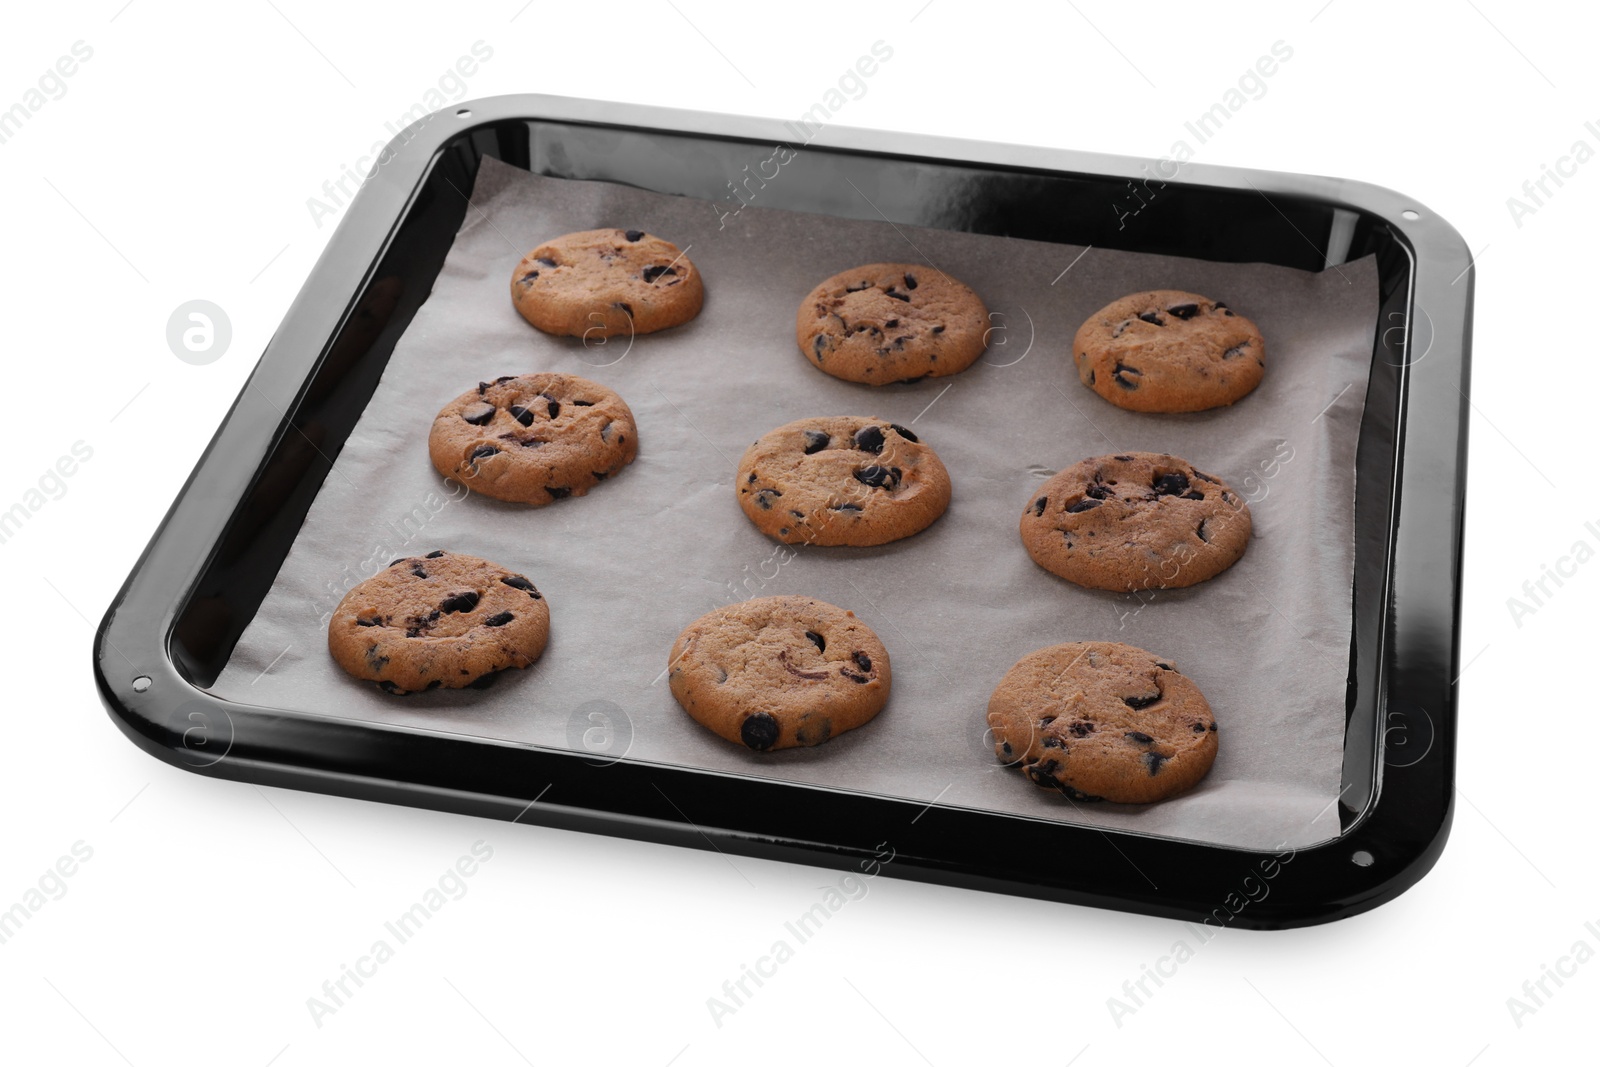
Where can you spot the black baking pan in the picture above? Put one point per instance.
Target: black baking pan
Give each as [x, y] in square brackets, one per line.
[172, 626]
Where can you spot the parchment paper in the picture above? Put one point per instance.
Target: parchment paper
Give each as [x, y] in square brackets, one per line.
[628, 566]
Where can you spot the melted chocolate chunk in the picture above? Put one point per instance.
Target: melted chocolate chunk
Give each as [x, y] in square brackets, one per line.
[459, 602]
[1081, 728]
[1039, 505]
[1152, 318]
[547, 261]
[819, 344]
[1142, 738]
[844, 507]
[897, 296]
[499, 620]
[521, 414]
[633, 235]
[818, 640]
[558, 492]
[862, 661]
[869, 439]
[1119, 373]
[652, 273]
[478, 414]
[816, 441]
[1140, 702]
[517, 581]
[435, 554]
[1171, 484]
[1184, 311]
[879, 477]
[1154, 760]
[911, 281]
[552, 406]
[903, 432]
[760, 731]
[1086, 504]
[484, 452]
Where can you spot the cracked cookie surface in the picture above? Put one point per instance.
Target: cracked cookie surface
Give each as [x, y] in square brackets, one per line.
[1133, 521]
[440, 620]
[533, 439]
[602, 283]
[891, 322]
[1098, 720]
[841, 480]
[779, 672]
[1169, 351]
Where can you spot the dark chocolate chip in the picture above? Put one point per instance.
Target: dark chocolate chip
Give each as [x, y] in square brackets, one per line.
[1199, 727]
[521, 414]
[1140, 702]
[1152, 318]
[897, 296]
[1154, 760]
[1184, 311]
[764, 498]
[478, 414]
[819, 344]
[1054, 742]
[1194, 494]
[1136, 735]
[652, 273]
[517, 581]
[869, 439]
[1164, 666]
[1213, 727]
[559, 492]
[1097, 492]
[583, 403]
[818, 640]
[937, 329]
[911, 281]
[633, 235]
[816, 441]
[435, 554]
[1122, 369]
[1125, 459]
[416, 568]
[485, 451]
[1040, 504]
[1203, 533]
[402, 559]
[499, 620]
[1085, 504]
[367, 622]
[459, 602]
[1171, 484]
[553, 406]
[1081, 728]
[844, 507]
[857, 288]
[862, 661]
[878, 477]
[390, 687]
[903, 432]
[546, 261]
[530, 276]
[760, 731]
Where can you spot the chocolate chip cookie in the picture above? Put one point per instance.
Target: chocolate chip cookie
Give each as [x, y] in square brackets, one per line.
[891, 322]
[1140, 520]
[1103, 721]
[443, 619]
[779, 672]
[841, 481]
[1169, 351]
[601, 283]
[533, 439]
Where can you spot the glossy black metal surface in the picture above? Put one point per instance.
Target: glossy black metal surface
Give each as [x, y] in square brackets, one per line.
[205, 572]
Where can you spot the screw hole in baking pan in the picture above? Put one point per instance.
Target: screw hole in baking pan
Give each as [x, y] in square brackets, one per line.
[1409, 215]
[141, 683]
[463, 113]
[1362, 858]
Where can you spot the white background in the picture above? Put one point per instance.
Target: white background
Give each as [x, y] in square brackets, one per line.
[177, 165]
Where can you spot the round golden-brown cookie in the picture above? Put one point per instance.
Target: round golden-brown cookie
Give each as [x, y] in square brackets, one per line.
[843, 480]
[601, 283]
[1103, 721]
[1169, 351]
[779, 672]
[533, 439]
[891, 322]
[440, 620]
[1139, 520]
